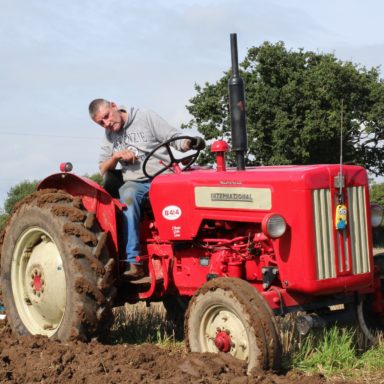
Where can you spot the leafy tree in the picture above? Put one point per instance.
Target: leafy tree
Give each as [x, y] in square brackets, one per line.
[96, 177]
[293, 112]
[377, 194]
[18, 192]
[15, 194]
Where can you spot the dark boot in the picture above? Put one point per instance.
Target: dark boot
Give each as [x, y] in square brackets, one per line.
[135, 272]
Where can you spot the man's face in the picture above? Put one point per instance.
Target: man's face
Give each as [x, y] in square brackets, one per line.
[109, 117]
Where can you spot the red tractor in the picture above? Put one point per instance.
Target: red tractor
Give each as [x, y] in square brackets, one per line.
[229, 248]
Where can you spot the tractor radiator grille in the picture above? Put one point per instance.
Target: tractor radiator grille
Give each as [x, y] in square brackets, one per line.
[357, 218]
[337, 250]
[325, 248]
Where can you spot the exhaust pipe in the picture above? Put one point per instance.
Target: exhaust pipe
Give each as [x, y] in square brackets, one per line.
[237, 108]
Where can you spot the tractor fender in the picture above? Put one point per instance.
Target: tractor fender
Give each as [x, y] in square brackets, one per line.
[96, 199]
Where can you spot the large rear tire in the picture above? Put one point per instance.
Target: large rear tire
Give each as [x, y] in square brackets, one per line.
[229, 315]
[56, 273]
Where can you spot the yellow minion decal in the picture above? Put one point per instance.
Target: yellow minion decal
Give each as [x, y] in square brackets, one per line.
[341, 217]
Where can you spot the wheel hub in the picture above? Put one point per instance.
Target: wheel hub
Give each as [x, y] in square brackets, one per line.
[223, 341]
[37, 281]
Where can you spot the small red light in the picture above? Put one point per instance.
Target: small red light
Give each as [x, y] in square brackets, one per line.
[66, 167]
[219, 146]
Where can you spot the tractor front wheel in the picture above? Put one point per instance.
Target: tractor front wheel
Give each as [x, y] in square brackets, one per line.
[229, 315]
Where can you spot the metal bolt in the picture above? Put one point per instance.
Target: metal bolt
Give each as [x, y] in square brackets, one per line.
[26, 254]
[243, 346]
[27, 301]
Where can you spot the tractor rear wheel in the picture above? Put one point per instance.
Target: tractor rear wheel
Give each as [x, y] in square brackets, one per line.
[56, 273]
[229, 315]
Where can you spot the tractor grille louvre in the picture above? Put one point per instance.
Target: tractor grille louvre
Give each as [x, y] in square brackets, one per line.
[328, 246]
[357, 219]
[325, 254]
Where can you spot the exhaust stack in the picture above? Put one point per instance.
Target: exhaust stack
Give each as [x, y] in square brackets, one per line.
[237, 108]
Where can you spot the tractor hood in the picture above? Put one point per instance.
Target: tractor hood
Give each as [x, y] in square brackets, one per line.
[182, 201]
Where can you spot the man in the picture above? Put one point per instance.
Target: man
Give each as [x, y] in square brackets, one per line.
[129, 135]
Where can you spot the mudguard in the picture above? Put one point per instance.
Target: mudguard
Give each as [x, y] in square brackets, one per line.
[94, 198]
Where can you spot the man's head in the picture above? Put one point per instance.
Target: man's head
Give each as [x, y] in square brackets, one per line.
[107, 114]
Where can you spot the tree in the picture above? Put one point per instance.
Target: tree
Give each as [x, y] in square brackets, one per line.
[294, 103]
[377, 194]
[96, 177]
[15, 194]
[18, 192]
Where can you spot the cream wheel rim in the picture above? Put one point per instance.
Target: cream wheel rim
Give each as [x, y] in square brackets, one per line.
[221, 323]
[38, 282]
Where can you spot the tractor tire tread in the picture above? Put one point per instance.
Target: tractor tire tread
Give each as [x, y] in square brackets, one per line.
[91, 276]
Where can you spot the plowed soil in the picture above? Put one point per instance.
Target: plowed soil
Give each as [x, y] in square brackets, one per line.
[40, 360]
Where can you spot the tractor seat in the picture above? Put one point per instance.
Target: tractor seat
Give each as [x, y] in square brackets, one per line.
[113, 180]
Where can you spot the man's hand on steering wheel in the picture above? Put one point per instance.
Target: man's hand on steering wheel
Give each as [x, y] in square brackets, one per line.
[197, 143]
[189, 143]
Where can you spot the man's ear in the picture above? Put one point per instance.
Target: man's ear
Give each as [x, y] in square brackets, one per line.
[113, 105]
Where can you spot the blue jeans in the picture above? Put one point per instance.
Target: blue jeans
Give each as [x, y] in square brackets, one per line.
[132, 194]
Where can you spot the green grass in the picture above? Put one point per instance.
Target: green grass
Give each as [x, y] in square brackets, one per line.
[335, 353]
[136, 324]
[330, 352]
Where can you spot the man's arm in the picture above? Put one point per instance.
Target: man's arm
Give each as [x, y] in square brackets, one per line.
[163, 131]
[109, 164]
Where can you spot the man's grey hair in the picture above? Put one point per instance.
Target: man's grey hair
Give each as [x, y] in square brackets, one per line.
[95, 105]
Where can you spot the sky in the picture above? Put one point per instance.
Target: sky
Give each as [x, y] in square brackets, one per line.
[58, 55]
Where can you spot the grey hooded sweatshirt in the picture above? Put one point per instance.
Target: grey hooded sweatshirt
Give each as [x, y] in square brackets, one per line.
[143, 131]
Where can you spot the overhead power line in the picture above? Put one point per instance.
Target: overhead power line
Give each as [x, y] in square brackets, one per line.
[48, 135]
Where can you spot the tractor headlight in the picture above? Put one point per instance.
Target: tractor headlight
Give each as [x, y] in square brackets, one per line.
[274, 225]
[376, 215]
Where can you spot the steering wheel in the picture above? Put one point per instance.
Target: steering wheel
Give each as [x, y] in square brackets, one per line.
[173, 163]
